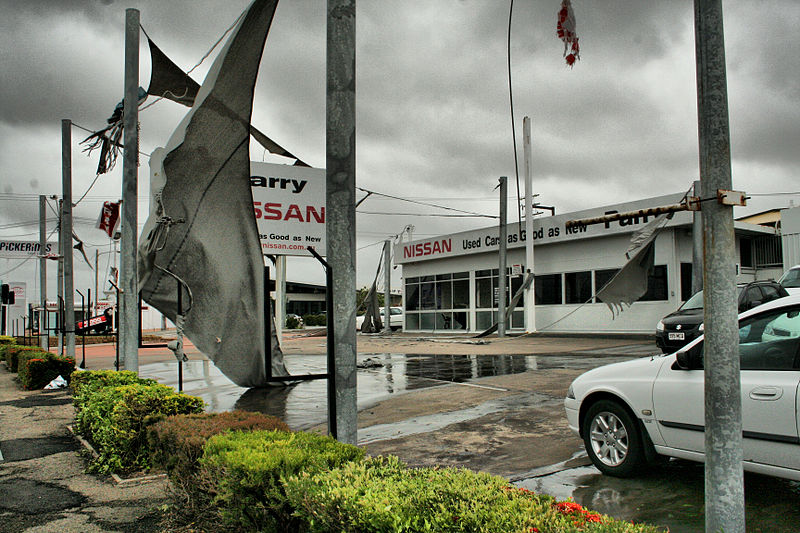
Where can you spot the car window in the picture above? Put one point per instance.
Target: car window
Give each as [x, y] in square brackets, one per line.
[770, 341]
[395, 311]
[753, 294]
[770, 292]
[791, 278]
[695, 302]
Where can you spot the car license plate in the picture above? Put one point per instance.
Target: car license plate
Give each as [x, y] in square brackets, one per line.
[677, 336]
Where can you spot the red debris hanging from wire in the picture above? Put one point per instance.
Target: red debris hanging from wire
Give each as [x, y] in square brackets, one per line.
[566, 32]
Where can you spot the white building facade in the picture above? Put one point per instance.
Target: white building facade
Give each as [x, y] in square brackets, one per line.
[450, 282]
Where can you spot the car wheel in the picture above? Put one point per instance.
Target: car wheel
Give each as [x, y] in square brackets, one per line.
[612, 439]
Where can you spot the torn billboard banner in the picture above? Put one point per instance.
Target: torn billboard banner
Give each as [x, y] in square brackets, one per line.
[201, 229]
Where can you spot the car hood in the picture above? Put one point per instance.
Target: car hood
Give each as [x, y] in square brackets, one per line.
[688, 316]
[630, 380]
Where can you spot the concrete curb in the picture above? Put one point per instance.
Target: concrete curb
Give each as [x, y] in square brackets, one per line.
[119, 481]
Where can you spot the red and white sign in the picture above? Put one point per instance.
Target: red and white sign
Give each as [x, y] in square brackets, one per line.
[109, 218]
[289, 206]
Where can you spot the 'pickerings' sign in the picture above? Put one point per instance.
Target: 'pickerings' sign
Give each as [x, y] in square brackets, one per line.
[23, 249]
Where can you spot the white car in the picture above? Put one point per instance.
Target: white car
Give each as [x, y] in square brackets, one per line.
[791, 280]
[630, 413]
[395, 318]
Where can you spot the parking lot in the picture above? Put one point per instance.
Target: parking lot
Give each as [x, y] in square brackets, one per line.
[492, 405]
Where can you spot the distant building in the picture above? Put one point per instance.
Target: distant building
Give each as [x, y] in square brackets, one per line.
[450, 282]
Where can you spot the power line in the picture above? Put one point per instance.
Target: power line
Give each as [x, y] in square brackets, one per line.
[425, 204]
[442, 215]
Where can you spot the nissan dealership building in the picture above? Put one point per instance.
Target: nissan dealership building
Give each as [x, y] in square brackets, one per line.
[450, 282]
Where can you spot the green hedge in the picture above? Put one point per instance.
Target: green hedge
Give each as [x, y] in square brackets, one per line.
[248, 469]
[382, 494]
[11, 354]
[177, 441]
[86, 383]
[5, 339]
[115, 420]
[315, 320]
[38, 368]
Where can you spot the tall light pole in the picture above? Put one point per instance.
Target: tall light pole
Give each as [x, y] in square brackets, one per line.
[340, 179]
[530, 294]
[129, 279]
[724, 481]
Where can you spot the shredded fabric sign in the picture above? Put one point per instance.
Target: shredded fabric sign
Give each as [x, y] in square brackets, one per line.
[565, 28]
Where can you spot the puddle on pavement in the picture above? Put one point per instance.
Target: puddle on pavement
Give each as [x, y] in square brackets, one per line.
[303, 405]
[672, 497]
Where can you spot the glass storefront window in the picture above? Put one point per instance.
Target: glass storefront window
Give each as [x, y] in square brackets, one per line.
[548, 289]
[578, 287]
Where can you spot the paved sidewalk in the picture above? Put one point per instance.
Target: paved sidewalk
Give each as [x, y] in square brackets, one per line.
[43, 486]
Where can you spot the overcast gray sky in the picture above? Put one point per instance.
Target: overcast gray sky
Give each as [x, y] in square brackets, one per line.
[433, 118]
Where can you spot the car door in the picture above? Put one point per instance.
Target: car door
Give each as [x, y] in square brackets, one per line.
[769, 346]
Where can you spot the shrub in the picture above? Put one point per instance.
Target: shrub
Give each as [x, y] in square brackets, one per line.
[382, 494]
[86, 383]
[292, 323]
[177, 441]
[37, 369]
[315, 320]
[12, 354]
[5, 339]
[115, 420]
[249, 467]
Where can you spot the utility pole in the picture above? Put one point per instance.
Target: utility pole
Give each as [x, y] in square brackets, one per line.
[96, 280]
[44, 340]
[387, 284]
[530, 294]
[340, 140]
[502, 276]
[697, 243]
[724, 479]
[129, 279]
[60, 276]
[66, 231]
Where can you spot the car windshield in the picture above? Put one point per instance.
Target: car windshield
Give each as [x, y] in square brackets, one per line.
[696, 301]
[791, 278]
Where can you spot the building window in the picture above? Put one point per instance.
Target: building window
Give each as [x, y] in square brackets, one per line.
[602, 277]
[746, 252]
[657, 288]
[686, 281]
[548, 289]
[578, 287]
[412, 295]
[434, 298]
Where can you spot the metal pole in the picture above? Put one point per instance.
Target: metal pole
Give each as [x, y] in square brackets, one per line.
[341, 225]
[530, 294]
[83, 329]
[66, 179]
[180, 339]
[60, 275]
[96, 279]
[387, 285]
[128, 335]
[724, 482]
[267, 327]
[44, 340]
[697, 243]
[280, 295]
[502, 276]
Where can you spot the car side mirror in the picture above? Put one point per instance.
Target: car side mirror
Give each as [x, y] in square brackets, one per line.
[691, 359]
